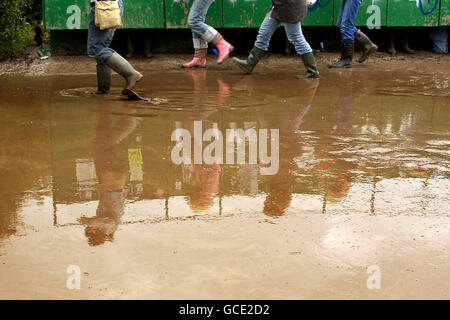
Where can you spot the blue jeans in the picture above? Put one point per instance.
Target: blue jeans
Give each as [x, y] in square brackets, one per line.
[347, 15]
[438, 36]
[293, 32]
[100, 40]
[202, 34]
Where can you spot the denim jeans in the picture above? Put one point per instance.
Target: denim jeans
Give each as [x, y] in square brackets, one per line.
[438, 36]
[347, 15]
[202, 34]
[293, 32]
[100, 40]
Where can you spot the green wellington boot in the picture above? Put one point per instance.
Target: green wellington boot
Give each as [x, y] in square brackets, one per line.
[120, 65]
[103, 78]
[347, 51]
[310, 65]
[252, 60]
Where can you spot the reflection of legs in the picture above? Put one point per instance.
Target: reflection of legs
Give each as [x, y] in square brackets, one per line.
[265, 34]
[295, 36]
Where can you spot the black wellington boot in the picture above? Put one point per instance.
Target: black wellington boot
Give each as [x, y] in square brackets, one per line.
[347, 51]
[366, 44]
[103, 78]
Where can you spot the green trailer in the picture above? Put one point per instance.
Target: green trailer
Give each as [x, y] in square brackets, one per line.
[177, 11]
[413, 13]
[63, 16]
[371, 13]
[444, 19]
[244, 13]
[320, 14]
[74, 14]
[172, 14]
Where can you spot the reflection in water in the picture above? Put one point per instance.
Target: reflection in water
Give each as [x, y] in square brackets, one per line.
[291, 111]
[112, 172]
[338, 172]
[343, 149]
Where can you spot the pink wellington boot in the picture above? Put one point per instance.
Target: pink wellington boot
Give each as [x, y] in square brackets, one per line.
[199, 60]
[223, 46]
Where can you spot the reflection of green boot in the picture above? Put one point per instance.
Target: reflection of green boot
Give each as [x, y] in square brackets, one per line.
[125, 69]
[252, 60]
[310, 65]
[103, 78]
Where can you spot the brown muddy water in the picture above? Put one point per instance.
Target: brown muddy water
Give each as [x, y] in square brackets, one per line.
[362, 183]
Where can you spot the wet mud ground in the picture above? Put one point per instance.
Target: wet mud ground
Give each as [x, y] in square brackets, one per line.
[363, 180]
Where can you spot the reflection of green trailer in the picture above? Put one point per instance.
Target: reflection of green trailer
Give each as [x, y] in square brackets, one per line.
[177, 12]
[74, 14]
[370, 13]
[444, 19]
[405, 13]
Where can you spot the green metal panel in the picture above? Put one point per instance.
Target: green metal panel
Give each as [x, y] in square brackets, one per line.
[66, 14]
[250, 13]
[143, 14]
[74, 14]
[370, 12]
[320, 14]
[177, 12]
[244, 13]
[444, 19]
[413, 12]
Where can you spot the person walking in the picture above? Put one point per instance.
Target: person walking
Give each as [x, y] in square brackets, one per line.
[203, 34]
[350, 34]
[289, 13]
[107, 59]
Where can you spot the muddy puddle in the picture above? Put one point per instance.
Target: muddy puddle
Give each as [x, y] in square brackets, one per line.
[361, 178]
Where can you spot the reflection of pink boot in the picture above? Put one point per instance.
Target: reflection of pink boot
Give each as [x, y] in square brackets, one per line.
[224, 91]
[199, 60]
[223, 46]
